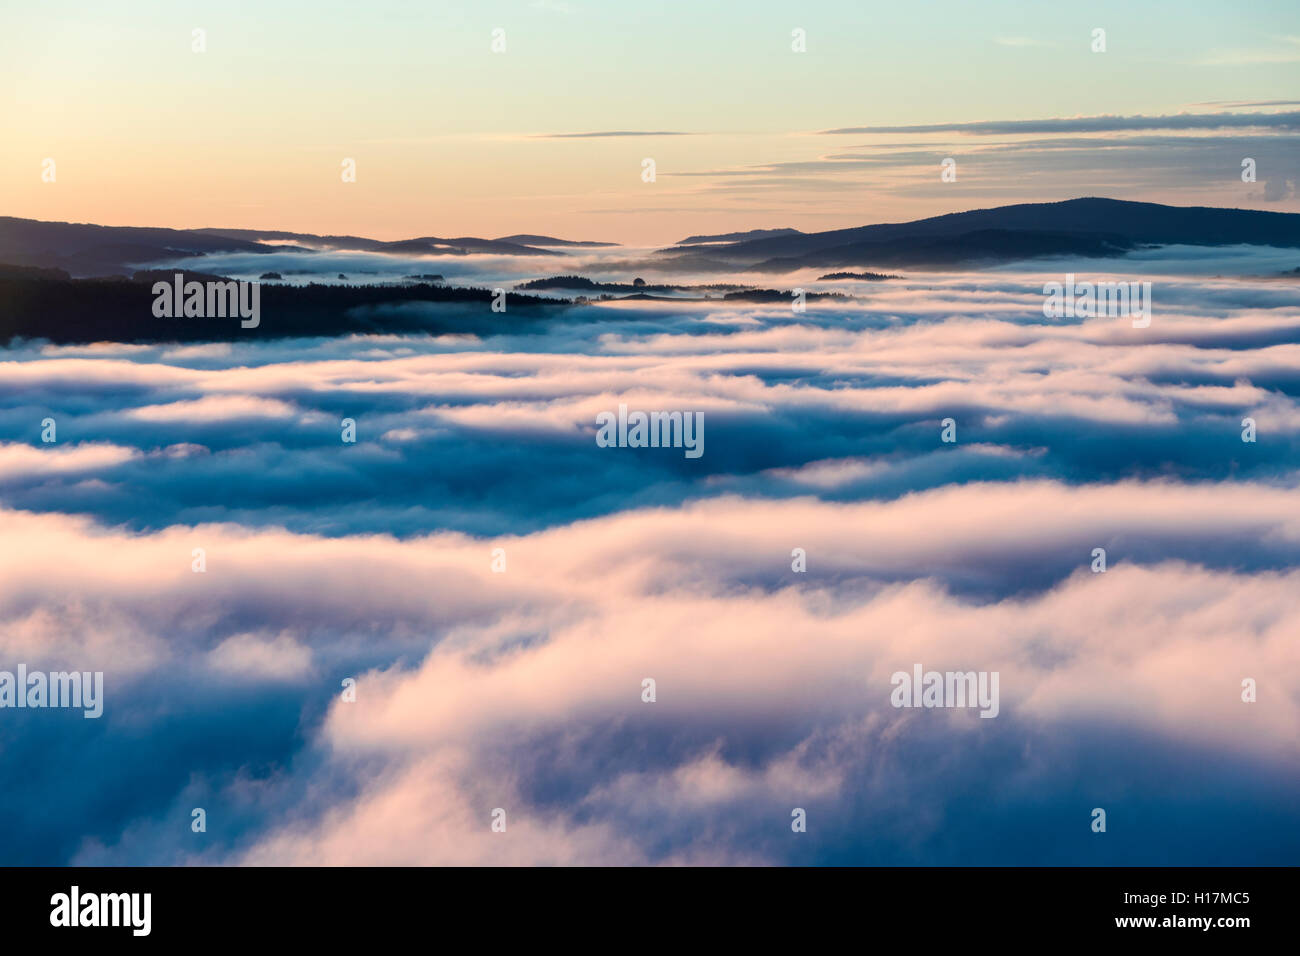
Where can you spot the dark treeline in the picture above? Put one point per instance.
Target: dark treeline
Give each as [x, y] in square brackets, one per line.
[637, 286]
[862, 276]
[72, 311]
[782, 295]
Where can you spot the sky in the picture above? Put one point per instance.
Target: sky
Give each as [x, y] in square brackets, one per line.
[450, 138]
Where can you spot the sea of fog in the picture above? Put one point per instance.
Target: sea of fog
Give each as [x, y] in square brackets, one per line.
[924, 476]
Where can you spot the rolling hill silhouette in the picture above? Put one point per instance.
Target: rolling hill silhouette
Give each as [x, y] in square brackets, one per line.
[84, 249]
[1084, 227]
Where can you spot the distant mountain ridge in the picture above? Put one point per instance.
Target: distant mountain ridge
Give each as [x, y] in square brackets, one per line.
[86, 249]
[739, 236]
[1085, 227]
[548, 241]
[423, 245]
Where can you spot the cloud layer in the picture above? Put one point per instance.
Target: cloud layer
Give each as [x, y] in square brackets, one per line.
[499, 587]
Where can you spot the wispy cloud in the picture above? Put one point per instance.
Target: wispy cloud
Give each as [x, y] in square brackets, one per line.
[1247, 104]
[600, 134]
[1089, 124]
